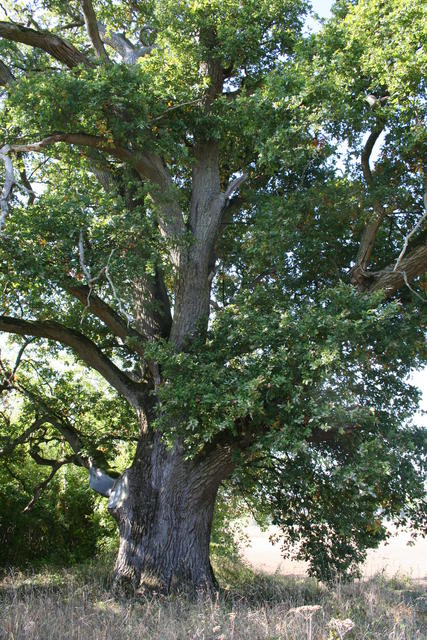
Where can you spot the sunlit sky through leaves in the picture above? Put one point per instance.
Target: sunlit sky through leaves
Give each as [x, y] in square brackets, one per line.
[419, 378]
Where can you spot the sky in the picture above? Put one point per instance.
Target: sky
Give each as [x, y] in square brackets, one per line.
[322, 7]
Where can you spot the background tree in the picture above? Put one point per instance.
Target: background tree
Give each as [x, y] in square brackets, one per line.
[211, 235]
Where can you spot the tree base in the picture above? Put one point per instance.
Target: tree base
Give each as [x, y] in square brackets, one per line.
[164, 508]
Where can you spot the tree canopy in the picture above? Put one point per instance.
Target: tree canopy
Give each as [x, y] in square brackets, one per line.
[222, 217]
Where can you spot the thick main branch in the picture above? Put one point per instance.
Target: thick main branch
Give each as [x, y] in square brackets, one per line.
[87, 350]
[413, 264]
[56, 47]
[92, 29]
[370, 231]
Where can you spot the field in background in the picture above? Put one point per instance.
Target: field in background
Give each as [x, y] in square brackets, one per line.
[77, 604]
[394, 558]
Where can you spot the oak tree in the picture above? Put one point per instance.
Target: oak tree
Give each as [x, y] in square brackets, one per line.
[224, 218]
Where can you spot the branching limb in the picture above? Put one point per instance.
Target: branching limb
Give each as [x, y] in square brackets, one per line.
[27, 185]
[60, 423]
[366, 154]
[16, 477]
[148, 166]
[174, 108]
[415, 229]
[99, 480]
[10, 446]
[19, 356]
[87, 350]
[413, 264]
[359, 272]
[56, 47]
[43, 485]
[92, 29]
[78, 139]
[402, 272]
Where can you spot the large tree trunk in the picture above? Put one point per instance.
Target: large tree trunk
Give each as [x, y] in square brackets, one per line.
[164, 506]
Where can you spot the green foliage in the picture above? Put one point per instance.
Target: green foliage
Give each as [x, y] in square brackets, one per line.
[228, 526]
[66, 522]
[62, 527]
[331, 349]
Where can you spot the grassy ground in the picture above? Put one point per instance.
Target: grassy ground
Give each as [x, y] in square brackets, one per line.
[76, 604]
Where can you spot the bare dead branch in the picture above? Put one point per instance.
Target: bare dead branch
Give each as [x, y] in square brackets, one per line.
[234, 185]
[405, 279]
[374, 102]
[8, 185]
[116, 297]
[122, 46]
[100, 481]
[415, 229]
[85, 269]
[408, 237]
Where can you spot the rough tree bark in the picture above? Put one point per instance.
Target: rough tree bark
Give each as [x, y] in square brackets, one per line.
[164, 506]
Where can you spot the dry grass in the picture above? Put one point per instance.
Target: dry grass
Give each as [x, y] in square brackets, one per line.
[76, 604]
